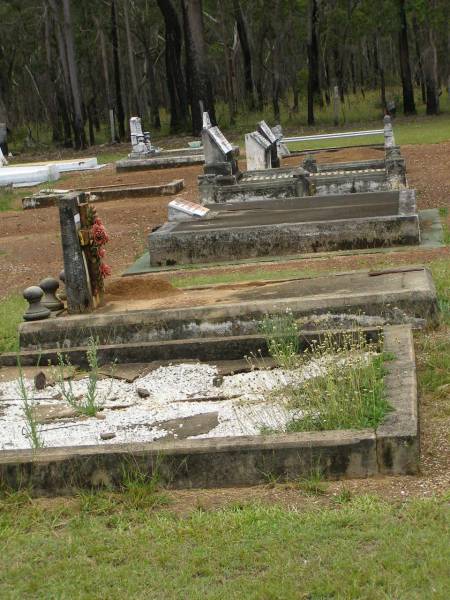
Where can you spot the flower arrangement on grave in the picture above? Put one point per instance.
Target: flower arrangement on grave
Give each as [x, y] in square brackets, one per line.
[98, 238]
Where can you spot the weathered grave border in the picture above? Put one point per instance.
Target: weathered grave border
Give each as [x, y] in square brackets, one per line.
[393, 449]
[107, 193]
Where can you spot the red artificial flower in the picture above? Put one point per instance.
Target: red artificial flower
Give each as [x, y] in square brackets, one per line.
[105, 270]
[101, 252]
[99, 234]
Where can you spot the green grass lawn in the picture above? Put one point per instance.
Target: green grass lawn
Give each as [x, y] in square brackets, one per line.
[11, 312]
[365, 548]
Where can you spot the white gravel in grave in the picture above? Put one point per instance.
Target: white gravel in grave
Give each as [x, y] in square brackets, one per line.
[173, 389]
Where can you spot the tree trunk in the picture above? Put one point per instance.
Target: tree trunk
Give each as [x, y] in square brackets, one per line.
[200, 88]
[116, 62]
[379, 67]
[246, 55]
[313, 60]
[179, 111]
[409, 107]
[137, 104]
[431, 83]
[419, 59]
[80, 136]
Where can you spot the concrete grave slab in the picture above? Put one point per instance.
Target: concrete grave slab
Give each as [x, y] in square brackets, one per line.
[289, 226]
[220, 313]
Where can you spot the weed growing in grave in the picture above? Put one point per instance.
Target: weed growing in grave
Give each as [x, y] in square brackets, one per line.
[281, 333]
[90, 403]
[313, 484]
[348, 390]
[32, 430]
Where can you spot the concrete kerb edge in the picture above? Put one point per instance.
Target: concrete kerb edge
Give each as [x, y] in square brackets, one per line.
[220, 462]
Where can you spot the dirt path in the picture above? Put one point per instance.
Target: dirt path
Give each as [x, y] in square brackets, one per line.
[30, 246]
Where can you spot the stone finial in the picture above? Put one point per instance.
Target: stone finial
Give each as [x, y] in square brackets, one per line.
[36, 310]
[49, 286]
[62, 276]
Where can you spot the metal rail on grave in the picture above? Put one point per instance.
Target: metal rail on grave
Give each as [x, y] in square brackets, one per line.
[331, 136]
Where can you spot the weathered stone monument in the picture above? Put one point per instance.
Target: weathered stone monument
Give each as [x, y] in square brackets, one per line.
[83, 237]
[288, 226]
[140, 141]
[258, 151]
[273, 136]
[222, 180]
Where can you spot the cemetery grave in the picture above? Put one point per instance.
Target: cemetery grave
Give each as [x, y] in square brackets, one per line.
[44, 198]
[206, 336]
[146, 157]
[284, 211]
[204, 425]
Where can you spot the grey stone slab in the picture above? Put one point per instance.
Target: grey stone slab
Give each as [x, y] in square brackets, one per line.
[237, 311]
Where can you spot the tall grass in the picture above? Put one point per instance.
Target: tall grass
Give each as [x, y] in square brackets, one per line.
[90, 403]
[32, 429]
[346, 392]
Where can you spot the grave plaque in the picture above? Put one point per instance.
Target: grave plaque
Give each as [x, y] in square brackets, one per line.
[265, 130]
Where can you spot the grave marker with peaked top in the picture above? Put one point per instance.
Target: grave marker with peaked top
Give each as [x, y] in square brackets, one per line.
[270, 136]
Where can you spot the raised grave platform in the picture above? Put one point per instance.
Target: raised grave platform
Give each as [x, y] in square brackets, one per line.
[211, 322]
[288, 226]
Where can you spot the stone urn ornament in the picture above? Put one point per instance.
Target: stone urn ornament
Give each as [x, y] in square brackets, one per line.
[49, 286]
[36, 310]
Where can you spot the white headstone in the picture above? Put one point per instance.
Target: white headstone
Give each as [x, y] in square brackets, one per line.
[3, 161]
[206, 121]
[140, 141]
[258, 152]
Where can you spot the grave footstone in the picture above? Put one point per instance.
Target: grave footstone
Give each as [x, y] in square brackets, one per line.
[49, 286]
[36, 310]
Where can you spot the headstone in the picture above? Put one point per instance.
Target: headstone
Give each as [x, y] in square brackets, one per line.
[265, 131]
[49, 286]
[184, 210]
[140, 141]
[3, 161]
[217, 147]
[36, 310]
[206, 121]
[78, 287]
[282, 148]
[258, 152]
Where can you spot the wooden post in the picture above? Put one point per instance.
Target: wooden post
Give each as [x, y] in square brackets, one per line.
[78, 287]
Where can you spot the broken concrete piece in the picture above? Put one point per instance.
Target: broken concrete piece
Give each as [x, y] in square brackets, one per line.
[186, 427]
